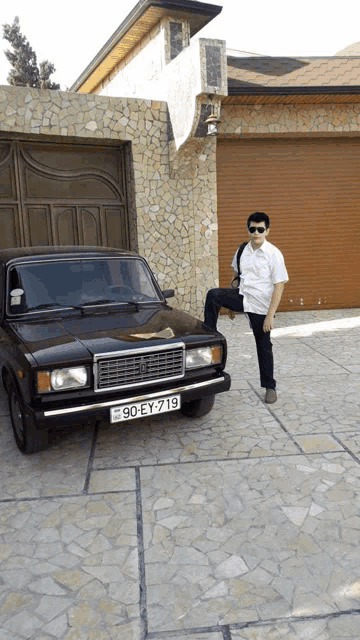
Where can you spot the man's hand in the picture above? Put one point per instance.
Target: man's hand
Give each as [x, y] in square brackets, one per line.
[268, 323]
[275, 299]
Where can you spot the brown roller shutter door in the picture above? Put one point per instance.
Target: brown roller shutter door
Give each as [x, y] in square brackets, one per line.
[310, 188]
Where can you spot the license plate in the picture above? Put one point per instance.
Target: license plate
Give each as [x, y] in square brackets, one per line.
[146, 408]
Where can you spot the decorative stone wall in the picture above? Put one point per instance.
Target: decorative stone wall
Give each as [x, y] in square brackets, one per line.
[213, 64]
[289, 118]
[184, 80]
[173, 215]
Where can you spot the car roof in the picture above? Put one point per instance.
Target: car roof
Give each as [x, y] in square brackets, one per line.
[48, 253]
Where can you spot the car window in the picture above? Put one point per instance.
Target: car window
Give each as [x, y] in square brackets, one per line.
[79, 282]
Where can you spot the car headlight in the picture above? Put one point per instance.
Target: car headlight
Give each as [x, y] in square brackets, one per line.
[62, 379]
[203, 357]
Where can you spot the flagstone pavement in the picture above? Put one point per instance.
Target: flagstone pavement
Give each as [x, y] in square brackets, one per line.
[242, 525]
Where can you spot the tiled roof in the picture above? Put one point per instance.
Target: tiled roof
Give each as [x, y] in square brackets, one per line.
[262, 73]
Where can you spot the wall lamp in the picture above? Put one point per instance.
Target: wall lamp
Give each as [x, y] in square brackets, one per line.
[213, 121]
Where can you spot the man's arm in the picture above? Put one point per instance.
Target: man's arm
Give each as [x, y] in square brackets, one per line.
[274, 303]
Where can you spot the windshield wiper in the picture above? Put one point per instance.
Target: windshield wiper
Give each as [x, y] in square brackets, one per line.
[51, 305]
[134, 304]
[89, 303]
[105, 301]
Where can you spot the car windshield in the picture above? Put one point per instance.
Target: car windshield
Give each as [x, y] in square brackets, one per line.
[79, 282]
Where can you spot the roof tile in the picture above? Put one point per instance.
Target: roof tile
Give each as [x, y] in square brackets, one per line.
[276, 72]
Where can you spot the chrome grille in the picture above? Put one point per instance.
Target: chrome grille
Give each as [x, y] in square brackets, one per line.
[130, 369]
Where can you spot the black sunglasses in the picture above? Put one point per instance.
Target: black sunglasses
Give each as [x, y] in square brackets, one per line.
[259, 229]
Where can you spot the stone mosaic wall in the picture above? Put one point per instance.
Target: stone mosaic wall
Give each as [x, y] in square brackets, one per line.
[173, 215]
[291, 118]
[213, 65]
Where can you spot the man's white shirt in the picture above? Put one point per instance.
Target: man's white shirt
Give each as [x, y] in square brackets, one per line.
[261, 269]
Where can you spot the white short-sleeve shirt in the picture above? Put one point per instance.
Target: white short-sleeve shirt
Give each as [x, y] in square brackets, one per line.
[261, 269]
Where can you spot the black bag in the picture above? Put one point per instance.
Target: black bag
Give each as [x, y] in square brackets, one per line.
[236, 281]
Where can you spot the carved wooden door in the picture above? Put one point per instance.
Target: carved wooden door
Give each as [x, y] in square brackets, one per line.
[62, 195]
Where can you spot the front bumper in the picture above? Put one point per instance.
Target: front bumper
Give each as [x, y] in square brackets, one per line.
[55, 418]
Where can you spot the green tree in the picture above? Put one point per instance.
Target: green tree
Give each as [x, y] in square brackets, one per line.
[25, 71]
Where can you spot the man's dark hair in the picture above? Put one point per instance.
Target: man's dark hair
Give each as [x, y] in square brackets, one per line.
[259, 216]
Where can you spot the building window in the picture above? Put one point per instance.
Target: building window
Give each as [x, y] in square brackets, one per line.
[176, 39]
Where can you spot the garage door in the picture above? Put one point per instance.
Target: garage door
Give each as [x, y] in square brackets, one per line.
[310, 188]
[62, 195]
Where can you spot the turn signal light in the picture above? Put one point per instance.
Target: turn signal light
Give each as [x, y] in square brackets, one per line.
[43, 381]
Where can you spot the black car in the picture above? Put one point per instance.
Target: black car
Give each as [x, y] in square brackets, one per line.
[86, 335]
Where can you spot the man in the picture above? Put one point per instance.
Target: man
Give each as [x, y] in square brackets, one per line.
[263, 276]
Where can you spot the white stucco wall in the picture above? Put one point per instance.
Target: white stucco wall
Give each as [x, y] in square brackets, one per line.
[183, 83]
[141, 73]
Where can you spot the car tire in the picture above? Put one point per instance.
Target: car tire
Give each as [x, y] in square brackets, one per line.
[198, 408]
[27, 437]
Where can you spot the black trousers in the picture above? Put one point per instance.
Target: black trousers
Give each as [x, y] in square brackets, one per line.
[231, 299]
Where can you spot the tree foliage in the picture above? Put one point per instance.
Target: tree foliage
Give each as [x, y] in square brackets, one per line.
[25, 71]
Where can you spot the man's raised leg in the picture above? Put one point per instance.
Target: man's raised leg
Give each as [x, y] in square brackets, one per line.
[217, 298]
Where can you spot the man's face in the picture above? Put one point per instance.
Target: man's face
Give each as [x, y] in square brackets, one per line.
[257, 232]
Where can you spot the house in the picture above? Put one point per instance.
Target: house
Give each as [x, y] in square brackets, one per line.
[124, 158]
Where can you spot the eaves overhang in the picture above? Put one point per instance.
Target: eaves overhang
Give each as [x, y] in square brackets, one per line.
[144, 16]
[310, 94]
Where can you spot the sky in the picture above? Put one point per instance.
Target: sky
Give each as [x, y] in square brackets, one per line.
[70, 33]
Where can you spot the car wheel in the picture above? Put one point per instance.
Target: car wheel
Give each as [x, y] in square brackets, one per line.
[28, 438]
[198, 408]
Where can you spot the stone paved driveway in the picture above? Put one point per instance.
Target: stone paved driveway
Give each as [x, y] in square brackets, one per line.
[243, 525]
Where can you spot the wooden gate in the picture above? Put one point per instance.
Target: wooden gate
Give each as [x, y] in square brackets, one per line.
[62, 195]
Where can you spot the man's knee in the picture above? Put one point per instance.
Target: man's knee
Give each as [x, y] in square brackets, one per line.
[212, 294]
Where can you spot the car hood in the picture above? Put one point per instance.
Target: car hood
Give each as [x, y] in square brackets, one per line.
[69, 339]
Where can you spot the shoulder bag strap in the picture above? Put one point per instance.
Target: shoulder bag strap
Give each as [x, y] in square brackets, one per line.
[236, 281]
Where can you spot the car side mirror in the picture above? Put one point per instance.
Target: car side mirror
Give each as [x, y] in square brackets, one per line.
[168, 293]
